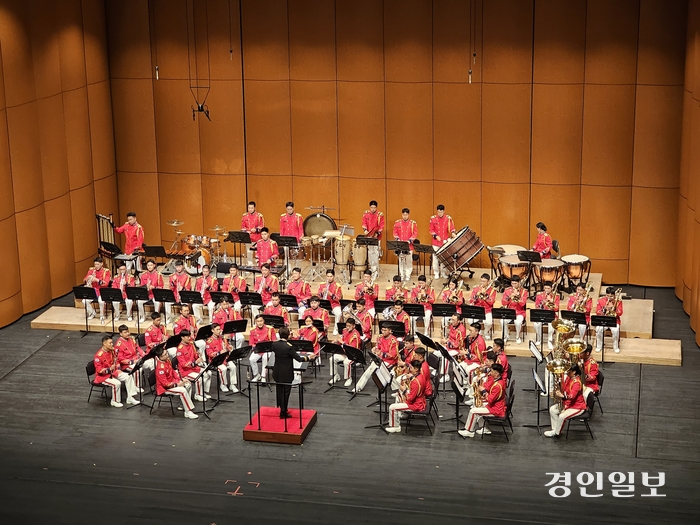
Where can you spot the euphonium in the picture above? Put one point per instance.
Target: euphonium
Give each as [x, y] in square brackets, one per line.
[388, 313]
[564, 329]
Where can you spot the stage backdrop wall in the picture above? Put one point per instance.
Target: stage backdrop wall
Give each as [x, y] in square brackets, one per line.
[56, 147]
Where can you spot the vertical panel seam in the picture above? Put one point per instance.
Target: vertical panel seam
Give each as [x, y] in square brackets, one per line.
[154, 50]
[337, 109]
[634, 140]
[532, 115]
[289, 89]
[386, 181]
[243, 105]
[583, 105]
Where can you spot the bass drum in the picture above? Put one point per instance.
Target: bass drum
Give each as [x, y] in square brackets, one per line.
[195, 260]
[458, 251]
[318, 223]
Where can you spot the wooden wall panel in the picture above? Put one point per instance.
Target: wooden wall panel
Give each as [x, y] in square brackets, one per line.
[557, 120]
[694, 160]
[71, 47]
[314, 128]
[221, 140]
[224, 39]
[59, 231]
[265, 39]
[45, 55]
[506, 132]
[77, 133]
[177, 135]
[128, 39]
[359, 34]
[311, 40]
[52, 144]
[95, 39]
[82, 212]
[270, 192]
[596, 217]
[25, 156]
[453, 41]
[171, 21]
[510, 203]
[356, 194]
[557, 205]
[140, 193]
[18, 73]
[457, 132]
[106, 200]
[314, 191]
[614, 272]
[608, 134]
[33, 251]
[681, 246]
[507, 30]
[408, 40]
[11, 276]
[462, 201]
[686, 142]
[268, 133]
[223, 198]
[361, 133]
[402, 195]
[661, 42]
[560, 36]
[180, 196]
[7, 205]
[409, 137]
[134, 125]
[101, 130]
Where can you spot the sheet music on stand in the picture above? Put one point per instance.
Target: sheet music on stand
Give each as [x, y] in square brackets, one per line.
[383, 375]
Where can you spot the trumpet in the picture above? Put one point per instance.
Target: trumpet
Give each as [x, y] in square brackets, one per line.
[324, 295]
[484, 293]
[91, 278]
[423, 295]
[369, 289]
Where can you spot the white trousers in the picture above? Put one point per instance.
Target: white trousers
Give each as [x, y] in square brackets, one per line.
[559, 418]
[600, 330]
[439, 269]
[250, 254]
[168, 312]
[427, 322]
[116, 384]
[488, 324]
[538, 333]
[91, 310]
[254, 358]
[205, 379]
[373, 259]
[340, 360]
[476, 415]
[116, 306]
[239, 339]
[518, 327]
[199, 308]
[406, 265]
[394, 418]
[231, 367]
[185, 395]
[142, 310]
[338, 316]
[300, 312]
[365, 377]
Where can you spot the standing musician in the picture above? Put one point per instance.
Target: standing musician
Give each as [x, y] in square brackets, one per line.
[168, 381]
[454, 343]
[484, 296]
[225, 314]
[333, 292]
[396, 292]
[291, 225]
[234, 283]
[177, 282]
[411, 397]
[373, 226]
[187, 322]
[366, 319]
[300, 289]
[590, 373]
[610, 305]
[216, 345]
[316, 312]
[190, 363]
[406, 230]
[205, 284]
[252, 223]
[387, 350]
[150, 279]
[543, 244]
[265, 284]
[107, 370]
[97, 277]
[424, 294]
[267, 249]
[546, 300]
[133, 237]
[515, 298]
[310, 333]
[442, 227]
[283, 371]
[155, 334]
[128, 353]
[474, 353]
[120, 282]
[573, 402]
[260, 334]
[275, 308]
[583, 303]
[350, 337]
[367, 290]
[493, 394]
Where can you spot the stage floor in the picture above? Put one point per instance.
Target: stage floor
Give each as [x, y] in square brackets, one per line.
[266, 426]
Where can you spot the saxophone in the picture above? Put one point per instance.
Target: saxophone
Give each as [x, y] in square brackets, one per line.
[478, 396]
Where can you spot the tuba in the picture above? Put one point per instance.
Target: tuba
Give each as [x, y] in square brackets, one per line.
[558, 368]
[564, 329]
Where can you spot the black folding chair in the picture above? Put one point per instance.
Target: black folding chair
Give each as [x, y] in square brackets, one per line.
[90, 371]
[423, 414]
[159, 397]
[583, 418]
[502, 421]
[601, 379]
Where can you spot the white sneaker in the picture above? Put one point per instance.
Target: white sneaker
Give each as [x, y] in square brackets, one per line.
[518, 340]
[139, 390]
[348, 381]
[190, 415]
[142, 319]
[334, 379]
[91, 316]
[469, 402]
[549, 433]
[255, 379]
[132, 401]
[544, 394]
[393, 430]
[103, 320]
[483, 431]
[597, 349]
[199, 398]
[129, 318]
[443, 379]
[117, 317]
[616, 350]
[116, 404]
[224, 388]
[465, 433]
[263, 379]
[207, 396]
[234, 389]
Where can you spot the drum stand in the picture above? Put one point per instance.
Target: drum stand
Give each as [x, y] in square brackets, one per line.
[313, 271]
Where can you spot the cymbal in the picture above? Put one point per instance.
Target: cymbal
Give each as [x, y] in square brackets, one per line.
[217, 228]
[175, 223]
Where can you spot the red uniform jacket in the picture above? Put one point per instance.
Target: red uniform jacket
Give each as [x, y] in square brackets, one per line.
[100, 278]
[351, 338]
[311, 333]
[415, 398]
[573, 394]
[518, 306]
[441, 228]
[205, 285]
[404, 318]
[428, 303]
[543, 245]
[187, 358]
[486, 304]
[234, 285]
[602, 303]
[335, 293]
[261, 335]
[456, 336]
[406, 231]
[369, 296]
[388, 350]
[278, 310]
[121, 282]
[588, 306]
[502, 359]
[214, 346]
[427, 380]
[177, 282]
[133, 237]
[590, 367]
[154, 335]
[185, 323]
[166, 376]
[104, 360]
[476, 349]
[267, 252]
[152, 280]
[373, 223]
[266, 286]
[445, 298]
[319, 313]
[128, 352]
[541, 299]
[222, 316]
[367, 321]
[301, 290]
[393, 294]
[292, 225]
[496, 397]
[253, 223]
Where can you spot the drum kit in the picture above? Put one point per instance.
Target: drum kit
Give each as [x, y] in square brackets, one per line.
[196, 250]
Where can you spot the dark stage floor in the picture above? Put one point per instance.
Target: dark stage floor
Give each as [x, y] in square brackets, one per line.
[63, 460]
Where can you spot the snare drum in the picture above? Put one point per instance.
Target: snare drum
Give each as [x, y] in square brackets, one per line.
[549, 271]
[510, 266]
[306, 241]
[342, 250]
[577, 266]
[359, 256]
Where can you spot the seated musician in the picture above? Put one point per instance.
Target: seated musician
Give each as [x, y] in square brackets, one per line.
[186, 321]
[97, 277]
[581, 302]
[501, 358]
[168, 381]
[387, 350]
[316, 312]
[107, 370]
[454, 343]
[474, 352]
[133, 236]
[333, 292]
[216, 345]
[406, 355]
[267, 250]
[484, 296]
[396, 292]
[515, 298]
[546, 300]
[350, 337]
[452, 295]
[368, 291]
[176, 282]
[611, 306]
[300, 289]
[128, 353]
[573, 403]
[411, 397]
[120, 282]
[260, 333]
[481, 374]
[265, 284]
[205, 284]
[150, 279]
[425, 295]
[401, 316]
[590, 373]
[190, 365]
[224, 314]
[366, 318]
[275, 308]
[543, 244]
[308, 332]
[156, 334]
[234, 283]
[489, 401]
[425, 370]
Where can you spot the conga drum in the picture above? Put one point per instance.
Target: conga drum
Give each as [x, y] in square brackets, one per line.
[359, 256]
[342, 250]
[511, 266]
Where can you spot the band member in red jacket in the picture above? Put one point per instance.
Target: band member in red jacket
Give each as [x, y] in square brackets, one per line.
[168, 381]
[107, 370]
[121, 282]
[308, 332]
[216, 345]
[252, 223]
[397, 291]
[484, 296]
[581, 302]
[267, 250]
[156, 334]
[224, 314]
[611, 306]
[234, 283]
[133, 237]
[387, 350]
[150, 279]
[265, 284]
[573, 402]
[494, 396]
[366, 318]
[406, 229]
[260, 333]
[275, 308]
[205, 284]
[316, 312]
[410, 398]
[178, 281]
[515, 297]
[373, 224]
[300, 289]
[590, 373]
[456, 334]
[97, 277]
[291, 224]
[546, 300]
[425, 295]
[187, 322]
[350, 337]
[474, 352]
[129, 352]
[333, 292]
[543, 244]
[368, 291]
[452, 295]
[190, 365]
[442, 228]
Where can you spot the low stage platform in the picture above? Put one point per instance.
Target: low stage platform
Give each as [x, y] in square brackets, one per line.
[266, 426]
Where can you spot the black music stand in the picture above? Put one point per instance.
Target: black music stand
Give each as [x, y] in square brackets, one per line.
[357, 357]
[398, 329]
[275, 321]
[460, 390]
[137, 369]
[341, 327]
[237, 355]
[380, 306]
[504, 314]
[399, 247]
[137, 293]
[331, 349]
[326, 305]
[539, 389]
[204, 333]
[217, 296]
[346, 302]
[190, 297]
[423, 250]
[250, 299]
[606, 321]
[285, 241]
[444, 310]
[288, 300]
[210, 366]
[578, 318]
[530, 257]
[382, 379]
[473, 312]
[238, 238]
[163, 296]
[318, 323]
[85, 293]
[542, 316]
[111, 295]
[449, 359]
[154, 252]
[415, 311]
